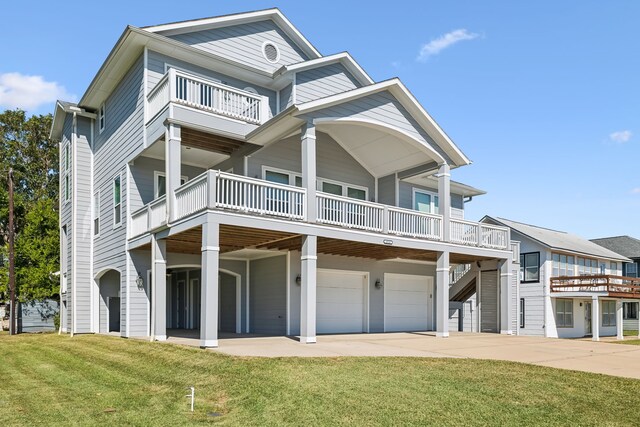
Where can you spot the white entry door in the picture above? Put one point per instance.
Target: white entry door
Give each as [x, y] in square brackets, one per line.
[408, 303]
[341, 302]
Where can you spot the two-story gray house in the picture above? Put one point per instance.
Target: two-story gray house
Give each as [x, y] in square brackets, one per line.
[221, 175]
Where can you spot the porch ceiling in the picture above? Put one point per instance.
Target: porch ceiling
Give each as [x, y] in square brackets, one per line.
[233, 238]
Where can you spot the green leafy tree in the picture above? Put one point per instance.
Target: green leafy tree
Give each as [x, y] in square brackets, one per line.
[26, 147]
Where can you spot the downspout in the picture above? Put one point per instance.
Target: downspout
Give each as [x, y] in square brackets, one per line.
[73, 223]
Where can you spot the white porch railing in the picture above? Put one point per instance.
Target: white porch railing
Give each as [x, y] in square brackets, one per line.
[203, 94]
[221, 190]
[191, 197]
[348, 212]
[407, 222]
[259, 197]
[464, 232]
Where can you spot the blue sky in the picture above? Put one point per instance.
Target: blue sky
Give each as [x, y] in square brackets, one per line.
[543, 96]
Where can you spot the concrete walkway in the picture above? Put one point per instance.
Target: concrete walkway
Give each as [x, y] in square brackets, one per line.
[581, 355]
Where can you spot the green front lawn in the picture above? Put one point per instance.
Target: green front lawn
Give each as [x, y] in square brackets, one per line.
[98, 380]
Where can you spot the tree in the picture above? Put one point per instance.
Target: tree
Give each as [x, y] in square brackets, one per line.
[25, 146]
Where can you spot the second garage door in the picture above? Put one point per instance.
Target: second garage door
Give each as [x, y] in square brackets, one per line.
[408, 303]
[341, 302]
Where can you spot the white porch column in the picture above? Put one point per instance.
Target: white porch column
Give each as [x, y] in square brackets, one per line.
[619, 320]
[595, 318]
[638, 316]
[506, 309]
[172, 166]
[444, 199]
[159, 291]
[209, 285]
[442, 295]
[308, 273]
[308, 141]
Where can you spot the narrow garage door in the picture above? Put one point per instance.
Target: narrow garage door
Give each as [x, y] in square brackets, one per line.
[340, 302]
[489, 301]
[408, 303]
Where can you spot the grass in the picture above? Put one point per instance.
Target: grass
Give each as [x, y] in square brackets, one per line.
[98, 380]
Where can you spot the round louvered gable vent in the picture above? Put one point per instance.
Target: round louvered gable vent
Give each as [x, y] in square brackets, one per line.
[271, 52]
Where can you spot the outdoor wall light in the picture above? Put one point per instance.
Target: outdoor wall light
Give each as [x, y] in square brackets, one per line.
[298, 280]
[378, 284]
[139, 281]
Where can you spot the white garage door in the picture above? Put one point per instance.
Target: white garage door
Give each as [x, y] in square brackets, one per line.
[340, 302]
[408, 303]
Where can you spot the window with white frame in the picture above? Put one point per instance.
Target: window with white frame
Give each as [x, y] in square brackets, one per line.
[564, 313]
[630, 310]
[425, 201]
[587, 266]
[608, 313]
[102, 117]
[160, 183]
[530, 267]
[117, 201]
[96, 214]
[563, 265]
[613, 268]
[280, 176]
[338, 188]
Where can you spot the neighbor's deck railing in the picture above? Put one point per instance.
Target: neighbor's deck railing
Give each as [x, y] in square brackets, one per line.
[203, 94]
[221, 190]
[615, 286]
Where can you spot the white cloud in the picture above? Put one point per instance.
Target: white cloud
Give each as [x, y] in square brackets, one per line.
[635, 190]
[29, 92]
[436, 45]
[621, 136]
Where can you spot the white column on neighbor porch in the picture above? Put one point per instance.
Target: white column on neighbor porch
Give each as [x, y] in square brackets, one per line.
[209, 285]
[619, 320]
[172, 167]
[595, 318]
[506, 309]
[308, 269]
[159, 291]
[308, 141]
[444, 199]
[442, 295]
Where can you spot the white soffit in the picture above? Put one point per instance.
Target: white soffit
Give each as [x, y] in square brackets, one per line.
[380, 153]
[190, 156]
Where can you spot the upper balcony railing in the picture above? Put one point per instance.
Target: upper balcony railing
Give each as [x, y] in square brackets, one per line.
[207, 95]
[221, 190]
[614, 286]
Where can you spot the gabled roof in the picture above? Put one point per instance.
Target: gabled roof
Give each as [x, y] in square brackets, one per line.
[343, 58]
[235, 19]
[408, 101]
[624, 245]
[558, 240]
[61, 110]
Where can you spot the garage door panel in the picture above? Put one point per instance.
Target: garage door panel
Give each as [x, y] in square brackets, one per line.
[340, 297]
[408, 306]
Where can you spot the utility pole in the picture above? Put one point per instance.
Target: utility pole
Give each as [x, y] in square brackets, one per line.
[12, 267]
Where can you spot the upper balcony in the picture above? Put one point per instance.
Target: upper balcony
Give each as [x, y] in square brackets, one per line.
[185, 90]
[216, 190]
[602, 284]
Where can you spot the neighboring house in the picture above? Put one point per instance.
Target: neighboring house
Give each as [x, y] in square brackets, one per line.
[628, 247]
[37, 316]
[222, 175]
[569, 287]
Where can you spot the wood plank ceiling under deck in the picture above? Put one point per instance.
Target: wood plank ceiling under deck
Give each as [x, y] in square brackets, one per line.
[233, 238]
[207, 141]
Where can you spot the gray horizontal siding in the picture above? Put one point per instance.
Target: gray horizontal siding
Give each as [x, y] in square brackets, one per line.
[143, 173]
[286, 97]
[243, 43]
[381, 107]
[323, 81]
[83, 225]
[156, 69]
[406, 196]
[333, 162]
[65, 216]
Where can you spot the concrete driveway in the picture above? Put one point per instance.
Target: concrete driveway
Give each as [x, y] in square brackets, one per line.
[581, 355]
